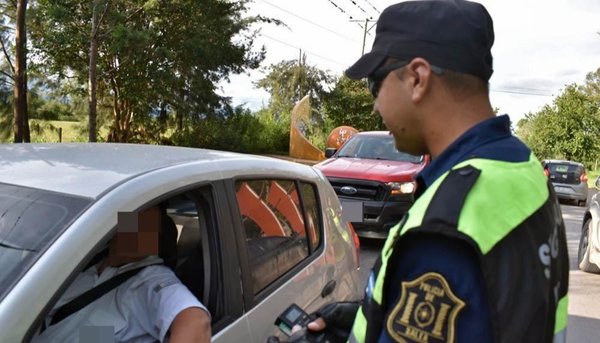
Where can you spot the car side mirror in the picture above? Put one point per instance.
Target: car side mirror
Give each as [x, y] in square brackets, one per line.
[330, 152]
[598, 182]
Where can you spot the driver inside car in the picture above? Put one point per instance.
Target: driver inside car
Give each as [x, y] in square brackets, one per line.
[149, 304]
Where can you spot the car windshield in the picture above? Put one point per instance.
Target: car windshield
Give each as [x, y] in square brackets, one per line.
[30, 220]
[375, 147]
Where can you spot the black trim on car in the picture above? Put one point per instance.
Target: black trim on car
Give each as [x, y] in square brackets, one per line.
[224, 245]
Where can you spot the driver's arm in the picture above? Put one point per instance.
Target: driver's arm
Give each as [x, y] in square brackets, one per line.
[191, 325]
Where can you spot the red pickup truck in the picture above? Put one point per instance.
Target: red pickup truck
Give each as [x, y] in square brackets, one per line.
[369, 172]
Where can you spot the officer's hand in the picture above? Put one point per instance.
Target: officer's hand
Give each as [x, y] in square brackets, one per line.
[338, 316]
[333, 324]
[318, 324]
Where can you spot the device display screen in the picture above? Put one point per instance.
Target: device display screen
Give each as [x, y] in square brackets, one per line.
[293, 314]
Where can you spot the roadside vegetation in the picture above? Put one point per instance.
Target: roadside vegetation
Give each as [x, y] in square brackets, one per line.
[592, 175]
[148, 72]
[569, 127]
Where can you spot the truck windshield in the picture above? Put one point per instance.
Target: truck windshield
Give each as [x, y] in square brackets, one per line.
[375, 147]
[30, 220]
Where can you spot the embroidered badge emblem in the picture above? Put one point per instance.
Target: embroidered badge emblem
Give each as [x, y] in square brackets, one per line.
[426, 311]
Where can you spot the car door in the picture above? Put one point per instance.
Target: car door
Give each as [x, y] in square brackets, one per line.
[278, 228]
[209, 268]
[207, 256]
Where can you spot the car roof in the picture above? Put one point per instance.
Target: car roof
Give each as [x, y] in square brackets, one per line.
[88, 169]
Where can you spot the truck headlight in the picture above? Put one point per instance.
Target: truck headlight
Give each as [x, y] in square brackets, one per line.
[402, 187]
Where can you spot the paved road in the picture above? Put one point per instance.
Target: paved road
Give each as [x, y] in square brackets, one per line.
[584, 288]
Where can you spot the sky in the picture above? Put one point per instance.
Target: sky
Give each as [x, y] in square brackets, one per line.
[540, 45]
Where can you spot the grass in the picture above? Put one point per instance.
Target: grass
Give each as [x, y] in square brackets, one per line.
[55, 131]
[592, 175]
[43, 131]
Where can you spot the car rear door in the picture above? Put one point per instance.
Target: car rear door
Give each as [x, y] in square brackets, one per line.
[281, 244]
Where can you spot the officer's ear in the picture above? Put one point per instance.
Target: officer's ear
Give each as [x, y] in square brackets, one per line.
[418, 74]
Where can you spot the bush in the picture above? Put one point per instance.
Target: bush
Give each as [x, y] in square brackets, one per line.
[52, 110]
[241, 131]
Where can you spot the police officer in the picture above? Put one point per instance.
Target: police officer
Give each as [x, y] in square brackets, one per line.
[481, 255]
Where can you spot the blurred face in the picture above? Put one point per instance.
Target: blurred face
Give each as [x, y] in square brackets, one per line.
[394, 104]
[137, 236]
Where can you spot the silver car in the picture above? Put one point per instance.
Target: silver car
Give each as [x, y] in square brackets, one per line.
[255, 234]
[588, 257]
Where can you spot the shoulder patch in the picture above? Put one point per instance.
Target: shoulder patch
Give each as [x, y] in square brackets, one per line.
[426, 312]
[164, 284]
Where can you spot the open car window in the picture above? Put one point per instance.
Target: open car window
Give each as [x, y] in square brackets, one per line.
[197, 262]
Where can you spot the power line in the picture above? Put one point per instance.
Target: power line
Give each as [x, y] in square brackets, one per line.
[339, 8]
[343, 11]
[373, 7]
[520, 93]
[309, 21]
[528, 89]
[308, 52]
[359, 7]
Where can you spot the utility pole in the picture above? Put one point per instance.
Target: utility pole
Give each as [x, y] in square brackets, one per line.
[366, 30]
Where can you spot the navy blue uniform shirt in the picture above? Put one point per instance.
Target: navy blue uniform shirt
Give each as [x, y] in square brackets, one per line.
[453, 259]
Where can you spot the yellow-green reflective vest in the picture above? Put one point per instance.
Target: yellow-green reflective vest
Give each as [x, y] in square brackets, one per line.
[508, 213]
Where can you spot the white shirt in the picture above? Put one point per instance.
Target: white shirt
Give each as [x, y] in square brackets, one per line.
[141, 309]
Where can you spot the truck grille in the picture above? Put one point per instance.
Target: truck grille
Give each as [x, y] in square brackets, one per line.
[365, 190]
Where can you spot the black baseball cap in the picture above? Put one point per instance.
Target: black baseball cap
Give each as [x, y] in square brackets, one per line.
[452, 34]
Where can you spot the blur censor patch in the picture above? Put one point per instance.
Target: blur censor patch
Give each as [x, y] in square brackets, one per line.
[426, 311]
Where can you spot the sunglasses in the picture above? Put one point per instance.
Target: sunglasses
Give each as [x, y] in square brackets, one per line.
[377, 77]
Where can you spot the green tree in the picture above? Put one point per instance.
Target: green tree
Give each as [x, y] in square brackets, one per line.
[99, 10]
[351, 103]
[290, 81]
[6, 124]
[567, 129]
[20, 74]
[592, 85]
[13, 39]
[155, 58]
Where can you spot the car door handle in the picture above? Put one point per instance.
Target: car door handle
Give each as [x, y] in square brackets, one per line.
[328, 289]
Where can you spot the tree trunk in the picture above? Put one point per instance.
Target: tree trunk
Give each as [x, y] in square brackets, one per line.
[20, 89]
[179, 112]
[123, 114]
[92, 81]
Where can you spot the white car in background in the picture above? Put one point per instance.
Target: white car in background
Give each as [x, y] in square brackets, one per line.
[255, 234]
[588, 256]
